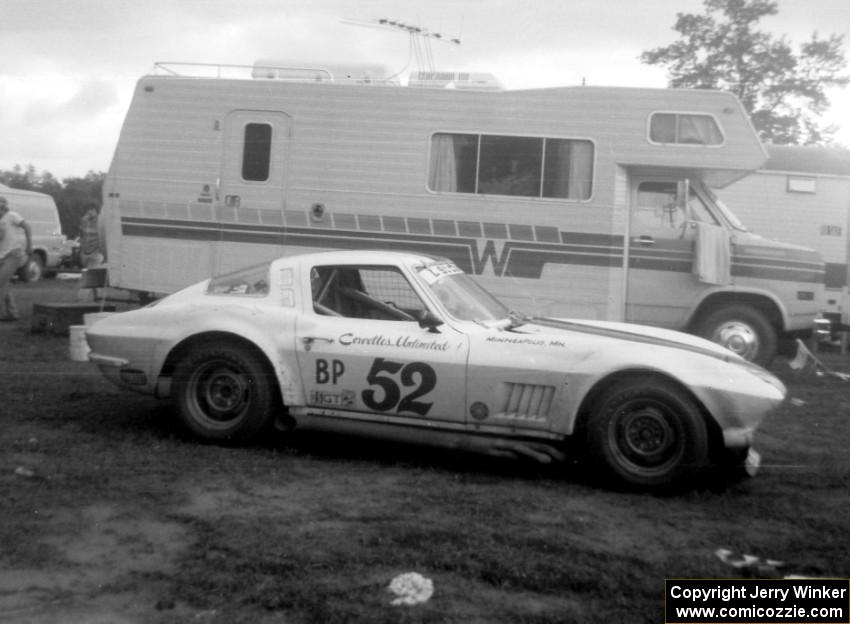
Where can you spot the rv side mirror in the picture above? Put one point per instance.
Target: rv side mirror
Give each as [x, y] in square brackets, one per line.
[430, 321]
[683, 192]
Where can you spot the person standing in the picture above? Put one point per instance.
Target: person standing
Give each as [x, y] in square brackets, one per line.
[90, 252]
[15, 249]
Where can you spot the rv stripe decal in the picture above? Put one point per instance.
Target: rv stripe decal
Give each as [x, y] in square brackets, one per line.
[514, 258]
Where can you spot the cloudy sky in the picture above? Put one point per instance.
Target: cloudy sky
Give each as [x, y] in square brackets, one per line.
[69, 66]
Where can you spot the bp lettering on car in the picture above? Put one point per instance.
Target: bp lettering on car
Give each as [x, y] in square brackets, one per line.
[408, 347]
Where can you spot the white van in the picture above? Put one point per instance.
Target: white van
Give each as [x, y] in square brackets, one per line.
[49, 246]
[587, 202]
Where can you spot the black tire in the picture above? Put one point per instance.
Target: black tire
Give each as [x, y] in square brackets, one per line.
[647, 432]
[33, 269]
[743, 330]
[224, 392]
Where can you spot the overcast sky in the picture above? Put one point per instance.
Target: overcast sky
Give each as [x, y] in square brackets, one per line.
[69, 66]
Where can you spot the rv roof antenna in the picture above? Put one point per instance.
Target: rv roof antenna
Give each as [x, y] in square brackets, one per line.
[420, 39]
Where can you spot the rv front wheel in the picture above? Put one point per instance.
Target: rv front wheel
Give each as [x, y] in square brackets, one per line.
[743, 330]
[224, 393]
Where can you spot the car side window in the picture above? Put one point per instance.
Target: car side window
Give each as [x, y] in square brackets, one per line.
[369, 292]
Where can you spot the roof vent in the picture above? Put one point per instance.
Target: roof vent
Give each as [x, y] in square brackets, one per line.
[359, 74]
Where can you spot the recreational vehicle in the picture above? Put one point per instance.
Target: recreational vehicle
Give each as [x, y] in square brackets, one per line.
[585, 202]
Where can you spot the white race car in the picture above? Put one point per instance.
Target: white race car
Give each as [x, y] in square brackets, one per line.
[408, 347]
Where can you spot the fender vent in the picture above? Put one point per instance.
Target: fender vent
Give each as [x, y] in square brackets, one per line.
[527, 401]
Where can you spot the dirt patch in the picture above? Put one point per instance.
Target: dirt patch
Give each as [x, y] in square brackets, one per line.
[95, 553]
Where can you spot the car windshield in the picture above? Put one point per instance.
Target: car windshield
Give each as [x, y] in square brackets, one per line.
[462, 297]
[252, 281]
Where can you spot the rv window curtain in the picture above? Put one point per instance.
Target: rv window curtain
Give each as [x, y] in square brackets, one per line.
[569, 169]
[699, 129]
[443, 169]
[581, 170]
[687, 128]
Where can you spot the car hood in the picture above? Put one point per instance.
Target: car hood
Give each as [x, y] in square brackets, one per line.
[631, 333]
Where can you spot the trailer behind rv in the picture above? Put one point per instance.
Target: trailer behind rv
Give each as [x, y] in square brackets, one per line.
[802, 194]
[590, 202]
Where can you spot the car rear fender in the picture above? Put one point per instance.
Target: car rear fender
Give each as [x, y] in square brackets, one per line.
[284, 369]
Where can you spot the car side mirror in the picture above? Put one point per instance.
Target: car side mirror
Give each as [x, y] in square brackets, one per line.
[430, 321]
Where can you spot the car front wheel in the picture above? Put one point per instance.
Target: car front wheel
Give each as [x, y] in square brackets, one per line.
[647, 432]
[224, 393]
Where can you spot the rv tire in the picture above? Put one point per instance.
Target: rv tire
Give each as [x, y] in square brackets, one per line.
[743, 330]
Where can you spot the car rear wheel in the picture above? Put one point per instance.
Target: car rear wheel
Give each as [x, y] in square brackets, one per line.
[224, 392]
[647, 432]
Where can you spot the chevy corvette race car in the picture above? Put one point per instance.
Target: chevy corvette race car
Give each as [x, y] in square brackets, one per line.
[408, 347]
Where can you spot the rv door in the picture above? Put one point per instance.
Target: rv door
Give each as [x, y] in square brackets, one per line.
[661, 286]
[253, 176]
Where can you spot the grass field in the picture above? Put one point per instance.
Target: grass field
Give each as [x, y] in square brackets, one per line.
[111, 514]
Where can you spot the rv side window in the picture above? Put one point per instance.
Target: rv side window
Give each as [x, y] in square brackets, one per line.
[256, 154]
[684, 128]
[510, 165]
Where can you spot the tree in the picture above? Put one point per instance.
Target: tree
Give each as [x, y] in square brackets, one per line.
[70, 195]
[75, 194]
[784, 92]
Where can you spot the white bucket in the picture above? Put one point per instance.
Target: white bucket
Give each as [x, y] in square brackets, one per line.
[79, 348]
[93, 317]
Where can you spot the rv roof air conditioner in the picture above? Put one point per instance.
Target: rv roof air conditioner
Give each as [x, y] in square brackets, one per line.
[473, 81]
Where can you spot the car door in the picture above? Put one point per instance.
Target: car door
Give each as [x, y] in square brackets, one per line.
[362, 354]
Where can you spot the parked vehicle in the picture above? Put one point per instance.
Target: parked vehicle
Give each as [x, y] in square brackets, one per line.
[49, 246]
[409, 348]
[802, 194]
[590, 202]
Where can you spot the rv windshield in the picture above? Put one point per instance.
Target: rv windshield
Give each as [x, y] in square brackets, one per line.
[728, 215]
[462, 297]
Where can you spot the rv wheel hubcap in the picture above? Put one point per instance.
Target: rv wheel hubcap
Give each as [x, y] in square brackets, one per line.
[739, 338]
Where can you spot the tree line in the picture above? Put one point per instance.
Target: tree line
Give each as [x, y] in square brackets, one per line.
[70, 194]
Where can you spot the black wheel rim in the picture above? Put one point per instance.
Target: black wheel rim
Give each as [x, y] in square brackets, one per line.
[218, 394]
[646, 437]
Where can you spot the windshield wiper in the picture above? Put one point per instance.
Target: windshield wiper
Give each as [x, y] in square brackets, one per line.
[517, 319]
